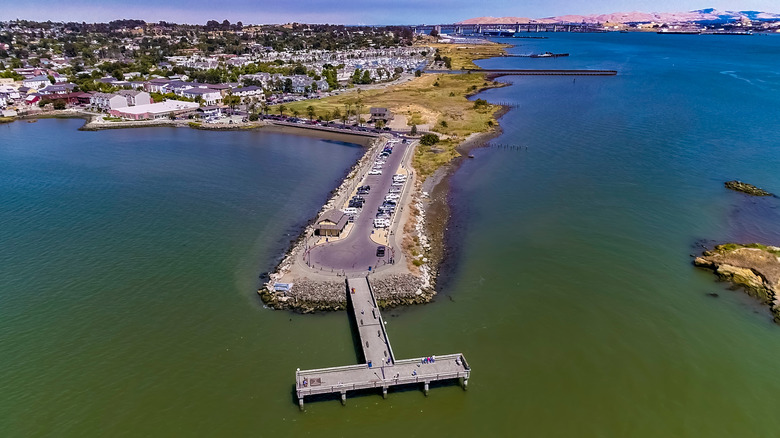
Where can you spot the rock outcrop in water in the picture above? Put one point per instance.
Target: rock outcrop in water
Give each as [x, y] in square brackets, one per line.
[750, 189]
[754, 267]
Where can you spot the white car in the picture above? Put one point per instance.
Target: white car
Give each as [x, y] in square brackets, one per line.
[375, 172]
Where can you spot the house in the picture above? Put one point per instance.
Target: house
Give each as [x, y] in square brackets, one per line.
[56, 89]
[32, 99]
[36, 82]
[135, 97]
[382, 114]
[157, 85]
[331, 223]
[206, 95]
[222, 88]
[4, 98]
[107, 101]
[250, 91]
[210, 111]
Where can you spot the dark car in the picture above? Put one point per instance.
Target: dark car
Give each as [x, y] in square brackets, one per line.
[380, 251]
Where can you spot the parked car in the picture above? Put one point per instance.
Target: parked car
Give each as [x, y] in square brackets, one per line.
[380, 251]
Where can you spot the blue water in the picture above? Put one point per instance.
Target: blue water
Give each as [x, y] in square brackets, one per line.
[129, 264]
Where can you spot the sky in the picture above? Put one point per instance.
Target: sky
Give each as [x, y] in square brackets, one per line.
[344, 11]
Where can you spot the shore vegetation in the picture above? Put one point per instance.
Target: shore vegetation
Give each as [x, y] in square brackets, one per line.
[444, 110]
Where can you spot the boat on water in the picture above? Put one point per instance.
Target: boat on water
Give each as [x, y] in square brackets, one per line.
[548, 55]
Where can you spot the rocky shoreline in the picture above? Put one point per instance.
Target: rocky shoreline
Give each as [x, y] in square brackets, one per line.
[331, 295]
[321, 292]
[428, 225]
[753, 267]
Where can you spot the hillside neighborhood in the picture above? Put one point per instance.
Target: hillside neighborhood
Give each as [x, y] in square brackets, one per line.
[133, 70]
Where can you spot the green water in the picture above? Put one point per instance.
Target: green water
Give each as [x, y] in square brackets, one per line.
[130, 259]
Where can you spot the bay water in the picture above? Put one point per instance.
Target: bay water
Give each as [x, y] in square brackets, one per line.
[129, 263]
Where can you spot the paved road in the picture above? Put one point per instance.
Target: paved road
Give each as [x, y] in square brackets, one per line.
[357, 252]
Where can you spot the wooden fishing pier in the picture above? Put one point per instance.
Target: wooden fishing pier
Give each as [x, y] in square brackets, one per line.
[380, 369]
[536, 72]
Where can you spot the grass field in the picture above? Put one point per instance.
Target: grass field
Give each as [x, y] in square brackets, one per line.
[463, 56]
[436, 102]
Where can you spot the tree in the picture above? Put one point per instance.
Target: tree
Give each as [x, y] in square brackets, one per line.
[336, 114]
[429, 139]
[310, 112]
[414, 130]
[296, 113]
[253, 117]
[172, 116]
[282, 109]
[418, 73]
[59, 104]
[231, 101]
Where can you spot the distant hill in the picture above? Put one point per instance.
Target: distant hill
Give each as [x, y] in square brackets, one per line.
[698, 16]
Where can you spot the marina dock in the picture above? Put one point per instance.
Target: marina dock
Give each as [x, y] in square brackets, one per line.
[379, 369]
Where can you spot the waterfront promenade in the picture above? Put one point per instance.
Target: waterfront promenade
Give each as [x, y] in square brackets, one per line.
[379, 368]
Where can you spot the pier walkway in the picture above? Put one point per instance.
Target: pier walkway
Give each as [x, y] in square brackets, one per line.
[380, 368]
[495, 72]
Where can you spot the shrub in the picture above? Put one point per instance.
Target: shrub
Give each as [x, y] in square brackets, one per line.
[429, 139]
[480, 103]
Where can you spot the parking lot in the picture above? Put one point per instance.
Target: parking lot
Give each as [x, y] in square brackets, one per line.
[372, 208]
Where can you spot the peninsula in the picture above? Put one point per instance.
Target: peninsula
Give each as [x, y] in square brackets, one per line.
[754, 267]
[399, 246]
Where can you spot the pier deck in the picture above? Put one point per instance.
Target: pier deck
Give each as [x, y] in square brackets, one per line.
[380, 369]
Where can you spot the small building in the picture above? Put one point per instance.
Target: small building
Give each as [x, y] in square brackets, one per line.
[32, 99]
[382, 114]
[331, 223]
[210, 111]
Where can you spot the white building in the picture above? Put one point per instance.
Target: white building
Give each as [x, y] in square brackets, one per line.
[159, 110]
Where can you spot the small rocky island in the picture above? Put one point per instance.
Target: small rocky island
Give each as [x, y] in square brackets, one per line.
[754, 267]
[750, 189]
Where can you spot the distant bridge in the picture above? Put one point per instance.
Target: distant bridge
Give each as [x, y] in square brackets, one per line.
[506, 29]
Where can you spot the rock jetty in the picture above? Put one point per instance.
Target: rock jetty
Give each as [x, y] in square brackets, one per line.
[309, 296]
[750, 189]
[754, 267]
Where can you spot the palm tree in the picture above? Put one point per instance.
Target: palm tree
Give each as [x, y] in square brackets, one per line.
[310, 112]
[296, 113]
[282, 109]
[348, 112]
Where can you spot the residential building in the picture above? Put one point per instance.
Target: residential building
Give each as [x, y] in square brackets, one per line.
[36, 82]
[107, 101]
[207, 95]
[135, 97]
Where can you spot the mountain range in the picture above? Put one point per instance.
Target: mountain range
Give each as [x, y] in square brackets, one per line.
[709, 15]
